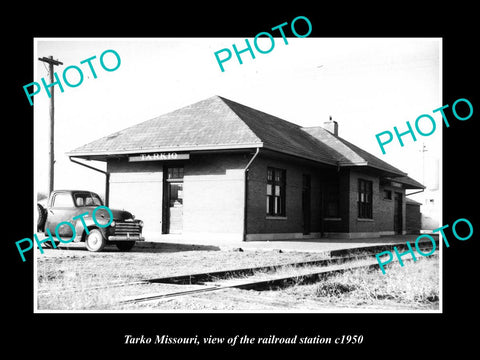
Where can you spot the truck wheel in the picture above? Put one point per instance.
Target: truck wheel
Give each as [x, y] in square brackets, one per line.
[95, 240]
[125, 245]
[42, 217]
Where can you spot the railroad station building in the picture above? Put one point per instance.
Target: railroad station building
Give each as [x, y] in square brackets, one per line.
[220, 169]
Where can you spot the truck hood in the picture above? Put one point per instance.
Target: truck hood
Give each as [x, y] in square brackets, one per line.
[118, 215]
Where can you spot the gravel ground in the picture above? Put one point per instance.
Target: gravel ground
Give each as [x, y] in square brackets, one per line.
[73, 267]
[76, 268]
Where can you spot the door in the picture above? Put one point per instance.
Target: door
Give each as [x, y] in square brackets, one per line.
[173, 200]
[397, 214]
[306, 208]
[61, 210]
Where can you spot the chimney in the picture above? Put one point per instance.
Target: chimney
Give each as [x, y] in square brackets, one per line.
[331, 126]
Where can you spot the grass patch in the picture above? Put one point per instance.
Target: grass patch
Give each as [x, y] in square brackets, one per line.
[61, 270]
[414, 285]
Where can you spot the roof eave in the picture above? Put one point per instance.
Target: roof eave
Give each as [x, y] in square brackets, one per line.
[291, 153]
[395, 173]
[408, 183]
[163, 149]
[366, 164]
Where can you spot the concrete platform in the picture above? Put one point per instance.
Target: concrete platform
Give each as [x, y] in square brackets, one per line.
[176, 242]
[310, 245]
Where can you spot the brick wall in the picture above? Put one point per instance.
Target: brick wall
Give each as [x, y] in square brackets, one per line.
[214, 196]
[137, 187]
[214, 193]
[259, 222]
[383, 210]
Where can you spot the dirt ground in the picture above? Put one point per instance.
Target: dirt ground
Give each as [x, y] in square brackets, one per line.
[139, 263]
[73, 267]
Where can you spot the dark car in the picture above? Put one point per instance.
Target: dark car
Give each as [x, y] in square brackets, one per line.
[65, 205]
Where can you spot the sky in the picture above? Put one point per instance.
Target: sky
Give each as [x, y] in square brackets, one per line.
[367, 85]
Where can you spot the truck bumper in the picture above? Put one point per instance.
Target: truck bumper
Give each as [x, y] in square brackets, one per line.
[126, 238]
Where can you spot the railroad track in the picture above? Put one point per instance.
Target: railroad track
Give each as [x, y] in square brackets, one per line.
[262, 283]
[198, 278]
[306, 272]
[253, 278]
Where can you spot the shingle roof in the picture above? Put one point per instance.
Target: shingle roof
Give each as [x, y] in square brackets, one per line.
[408, 181]
[412, 202]
[219, 123]
[283, 136]
[350, 154]
[207, 123]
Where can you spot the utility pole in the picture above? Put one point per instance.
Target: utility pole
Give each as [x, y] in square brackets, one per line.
[51, 152]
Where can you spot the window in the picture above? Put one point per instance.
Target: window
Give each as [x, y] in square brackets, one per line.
[175, 185]
[275, 192]
[331, 200]
[175, 173]
[87, 199]
[364, 199]
[63, 200]
[387, 194]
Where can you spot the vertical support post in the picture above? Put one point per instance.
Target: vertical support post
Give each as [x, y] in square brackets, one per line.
[107, 189]
[51, 151]
[245, 198]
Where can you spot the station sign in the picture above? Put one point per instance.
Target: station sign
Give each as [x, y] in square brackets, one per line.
[159, 157]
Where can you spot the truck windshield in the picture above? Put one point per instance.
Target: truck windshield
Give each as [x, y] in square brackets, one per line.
[87, 199]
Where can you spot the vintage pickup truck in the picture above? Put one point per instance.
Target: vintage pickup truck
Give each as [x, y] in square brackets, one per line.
[64, 205]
